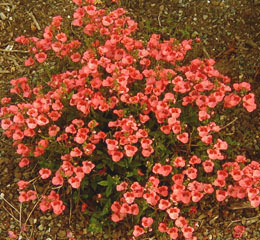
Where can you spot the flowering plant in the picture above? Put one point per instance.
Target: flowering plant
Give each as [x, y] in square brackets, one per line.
[127, 125]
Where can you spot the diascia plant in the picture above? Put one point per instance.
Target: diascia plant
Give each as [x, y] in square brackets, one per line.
[127, 126]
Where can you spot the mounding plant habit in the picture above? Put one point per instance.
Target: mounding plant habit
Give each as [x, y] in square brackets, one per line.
[125, 127]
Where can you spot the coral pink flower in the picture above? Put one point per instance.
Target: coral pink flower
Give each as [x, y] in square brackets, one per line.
[238, 231]
[255, 201]
[181, 222]
[75, 57]
[23, 196]
[89, 148]
[208, 188]
[138, 231]
[6, 123]
[115, 207]
[173, 212]
[208, 166]
[146, 142]
[125, 209]
[221, 145]
[163, 191]
[134, 209]
[184, 137]
[152, 198]
[156, 168]
[165, 170]
[111, 144]
[252, 192]
[147, 222]
[42, 120]
[249, 102]
[164, 204]
[122, 186]
[191, 172]
[87, 166]
[129, 197]
[187, 232]
[195, 160]
[76, 152]
[53, 130]
[178, 179]
[31, 195]
[24, 162]
[147, 151]
[22, 184]
[185, 196]
[45, 173]
[143, 118]
[116, 217]
[41, 57]
[231, 100]
[130, 150]
[57, 180]
[196, 196]
[179, 162]
[12, 235]
[222, 174]
[117, 156]
[31, 123]
[79, 172]
[173, 232]
[162, 227]
[221, 195]
[207, 139]
[57, 207]
[240, 158]
[74, 182]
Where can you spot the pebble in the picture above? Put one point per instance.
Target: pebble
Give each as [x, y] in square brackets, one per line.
[62, 234]
[205, 17]
[40, 227]
[194, 34]
[2, 16]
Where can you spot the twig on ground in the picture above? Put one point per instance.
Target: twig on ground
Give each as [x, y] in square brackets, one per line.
[159, 15]
[4, 71]
[32, 210]
[2, 197]
[70, 211]
[20, 216]
[205, 52]
[10, 214]
[13, 50]
[230, 123]
[233, 221]
[34, 20]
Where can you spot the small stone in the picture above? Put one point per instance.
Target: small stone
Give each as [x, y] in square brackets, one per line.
[194, 34]
[205, 17]
[40, 227]
[62, 234]
[2, 16]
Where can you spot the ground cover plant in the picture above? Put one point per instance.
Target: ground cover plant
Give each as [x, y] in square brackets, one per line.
[128, 126]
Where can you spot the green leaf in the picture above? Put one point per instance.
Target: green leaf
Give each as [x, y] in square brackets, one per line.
[108, 190]
[103, 183]
[110, 180]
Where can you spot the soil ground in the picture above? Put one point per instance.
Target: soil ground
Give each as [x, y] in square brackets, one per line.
[230, 34]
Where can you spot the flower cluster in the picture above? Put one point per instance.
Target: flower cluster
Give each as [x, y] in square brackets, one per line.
[129, 105]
